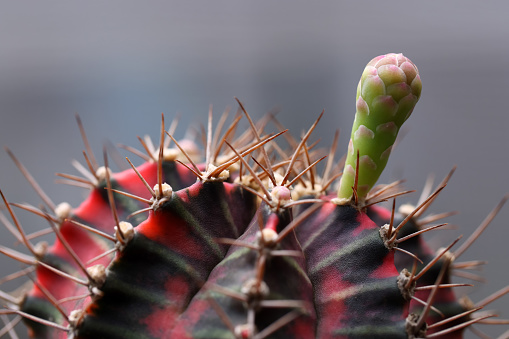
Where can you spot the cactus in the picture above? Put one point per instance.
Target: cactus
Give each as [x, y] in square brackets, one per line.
[245, 246]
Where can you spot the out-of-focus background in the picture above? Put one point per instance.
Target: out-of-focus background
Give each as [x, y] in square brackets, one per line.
[119, 64]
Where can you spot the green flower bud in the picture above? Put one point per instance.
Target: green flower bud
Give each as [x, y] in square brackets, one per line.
[388, 90]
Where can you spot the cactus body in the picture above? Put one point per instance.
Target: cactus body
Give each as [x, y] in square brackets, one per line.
[243, 249]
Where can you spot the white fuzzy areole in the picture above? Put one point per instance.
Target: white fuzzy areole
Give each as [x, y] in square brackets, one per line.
[364, 132]
[63, 210]
[406, 209]
[367, 162]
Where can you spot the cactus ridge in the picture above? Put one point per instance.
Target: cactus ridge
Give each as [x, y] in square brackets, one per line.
[241, 249]
[354, 274]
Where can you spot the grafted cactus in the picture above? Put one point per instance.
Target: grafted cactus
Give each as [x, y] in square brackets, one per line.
[244, 246]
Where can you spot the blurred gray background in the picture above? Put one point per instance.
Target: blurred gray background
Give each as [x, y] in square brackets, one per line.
[119, 64]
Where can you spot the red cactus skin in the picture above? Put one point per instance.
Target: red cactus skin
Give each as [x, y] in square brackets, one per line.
[284, 278]
[187, 270]
[143, 299]
[445, 299]
[353, 275]
[95, 212]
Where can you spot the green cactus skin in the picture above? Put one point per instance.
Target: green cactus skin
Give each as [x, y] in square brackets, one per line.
[388, 90]
[241, 254]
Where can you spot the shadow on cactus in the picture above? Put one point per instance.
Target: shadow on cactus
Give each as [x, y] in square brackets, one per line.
[248, 241]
